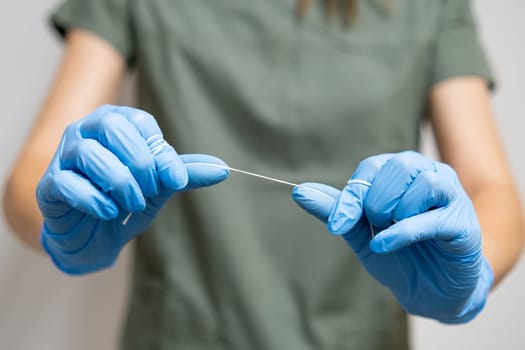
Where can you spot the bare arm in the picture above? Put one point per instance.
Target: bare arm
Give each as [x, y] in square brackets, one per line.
[89, 76]
[468, 140]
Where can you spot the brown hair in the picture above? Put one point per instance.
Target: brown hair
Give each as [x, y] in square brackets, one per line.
[348, 9]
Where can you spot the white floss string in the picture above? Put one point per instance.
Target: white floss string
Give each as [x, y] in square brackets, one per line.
[156, 144]
[262, 176]
[126, 219]
[361, 182]
[160, 145]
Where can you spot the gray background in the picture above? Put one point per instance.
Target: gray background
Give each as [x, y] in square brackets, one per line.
[43, 309]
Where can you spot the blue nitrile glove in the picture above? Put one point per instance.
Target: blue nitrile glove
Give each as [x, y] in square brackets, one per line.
[109, 164]
[427, 243]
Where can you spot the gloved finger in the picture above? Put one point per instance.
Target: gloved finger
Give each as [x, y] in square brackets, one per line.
[204, 170]
[434, 224]
[390, 184]
[430, 190]
[113, 130]
[317, 199]
[349, 207]
[104, 170]
[66, 189]
[171, 170]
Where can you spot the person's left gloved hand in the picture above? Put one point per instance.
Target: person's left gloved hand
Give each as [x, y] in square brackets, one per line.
[414, 229]
[109, 164]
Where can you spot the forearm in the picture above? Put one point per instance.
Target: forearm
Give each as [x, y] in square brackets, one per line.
[498, 210]
[468, 140]
[89, 76]
[20, 206]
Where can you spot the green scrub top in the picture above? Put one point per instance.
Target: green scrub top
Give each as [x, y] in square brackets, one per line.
[239, 265]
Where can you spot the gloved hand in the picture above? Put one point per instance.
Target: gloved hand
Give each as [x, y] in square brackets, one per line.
[414, 229]
[109, 164]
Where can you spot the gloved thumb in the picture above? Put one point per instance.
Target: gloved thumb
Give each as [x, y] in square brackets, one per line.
[316, 199]
[204, 170]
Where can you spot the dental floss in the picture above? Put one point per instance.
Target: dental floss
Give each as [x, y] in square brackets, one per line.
[126, 219]
[157, 144]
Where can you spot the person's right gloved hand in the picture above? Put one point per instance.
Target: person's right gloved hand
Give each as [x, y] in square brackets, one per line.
[414, 229]
[109, 164]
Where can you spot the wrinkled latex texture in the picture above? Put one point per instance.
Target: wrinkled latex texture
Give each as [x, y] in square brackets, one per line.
[103, 170]
[414, 229]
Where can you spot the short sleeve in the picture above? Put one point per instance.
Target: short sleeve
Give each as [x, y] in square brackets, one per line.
[458, 51]
[108, 19]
